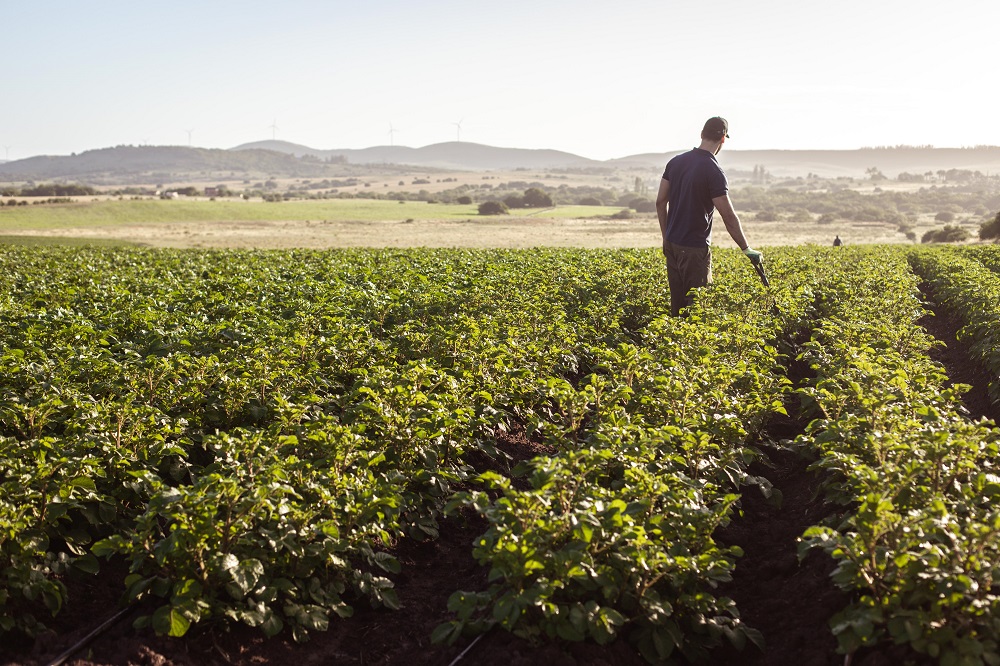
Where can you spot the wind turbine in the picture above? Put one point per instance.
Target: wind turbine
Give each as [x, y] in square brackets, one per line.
[458, 130]
[274, 129]
[392, 135]
[7, 154]
[189, 132]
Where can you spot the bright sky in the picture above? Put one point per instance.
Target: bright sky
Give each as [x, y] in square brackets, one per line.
[591, 77]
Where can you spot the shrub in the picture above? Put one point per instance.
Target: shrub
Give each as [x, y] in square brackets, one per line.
[513, 201]
[624, 214]
[990, 230]
[642, 205]
[492, 208]
[944, 216]
[800, 216]
[591, 201]
[464, 200]
[536, 198]
[947, 234]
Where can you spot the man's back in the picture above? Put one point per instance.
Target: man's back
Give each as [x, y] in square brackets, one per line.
[695, 179]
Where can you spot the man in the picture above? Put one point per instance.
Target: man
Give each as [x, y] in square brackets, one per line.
[692, 188]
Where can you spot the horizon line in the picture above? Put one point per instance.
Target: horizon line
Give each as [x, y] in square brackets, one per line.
[473, 143]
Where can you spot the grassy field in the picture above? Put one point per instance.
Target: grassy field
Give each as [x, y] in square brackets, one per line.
[330, 223]
[114, 212]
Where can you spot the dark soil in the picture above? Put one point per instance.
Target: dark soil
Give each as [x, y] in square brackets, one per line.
[788, 601]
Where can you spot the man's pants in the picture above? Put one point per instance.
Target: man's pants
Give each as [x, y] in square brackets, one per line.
[687, 268]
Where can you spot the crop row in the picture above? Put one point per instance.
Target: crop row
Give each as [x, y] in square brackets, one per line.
[253, 432]
[612, 532]
[969, 283]
[917, 542]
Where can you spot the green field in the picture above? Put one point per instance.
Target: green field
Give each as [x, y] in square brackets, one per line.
[257, 436]
[113, 212]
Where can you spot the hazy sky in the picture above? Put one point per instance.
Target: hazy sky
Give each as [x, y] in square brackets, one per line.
[600, 79]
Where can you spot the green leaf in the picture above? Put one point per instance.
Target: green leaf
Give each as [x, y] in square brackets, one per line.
[446, 633]
[507, 611]
[272, 624]
[88, 564]
[755, 637]
[387, 562]
[247, 574]
[314, 619]
[662, 642]
[84, 482]
[108, 547]
[168, 621]
[389, 598]
[567, 631]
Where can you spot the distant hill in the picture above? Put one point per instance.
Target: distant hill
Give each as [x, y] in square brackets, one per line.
[827, 163]
[833, 163]
[124, 163]
[456, 155]
[280, 159]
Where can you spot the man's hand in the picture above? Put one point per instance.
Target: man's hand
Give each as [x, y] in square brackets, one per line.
[753, 255]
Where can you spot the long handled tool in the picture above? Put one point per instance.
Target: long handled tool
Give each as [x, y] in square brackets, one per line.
[758, 264]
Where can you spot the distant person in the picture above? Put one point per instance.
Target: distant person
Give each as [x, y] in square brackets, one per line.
[692, 188]
[837, 242]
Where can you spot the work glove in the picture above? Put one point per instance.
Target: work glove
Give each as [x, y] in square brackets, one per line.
[753, 255]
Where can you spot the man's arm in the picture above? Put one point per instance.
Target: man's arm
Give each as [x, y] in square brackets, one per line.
[662, 201]
[724, 205]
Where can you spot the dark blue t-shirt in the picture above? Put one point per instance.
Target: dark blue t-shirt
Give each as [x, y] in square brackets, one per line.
[695, 179]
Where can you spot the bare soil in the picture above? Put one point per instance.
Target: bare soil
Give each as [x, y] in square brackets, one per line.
[507, 232]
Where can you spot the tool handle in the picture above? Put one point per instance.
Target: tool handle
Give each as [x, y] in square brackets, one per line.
[759, 265]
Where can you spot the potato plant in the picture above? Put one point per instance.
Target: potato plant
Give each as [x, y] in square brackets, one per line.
[253, 433]
[917, 541]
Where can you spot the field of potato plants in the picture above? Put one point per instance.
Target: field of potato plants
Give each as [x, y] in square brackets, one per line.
[438, 456]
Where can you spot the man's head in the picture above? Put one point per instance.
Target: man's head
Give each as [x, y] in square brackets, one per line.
[715, 129]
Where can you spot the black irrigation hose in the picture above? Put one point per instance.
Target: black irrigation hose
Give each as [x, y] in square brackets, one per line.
[82, 643]
[467, 649]
[117, 617]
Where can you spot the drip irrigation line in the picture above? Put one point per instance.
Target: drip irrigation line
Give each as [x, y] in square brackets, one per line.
[82, 643]
[466, 650]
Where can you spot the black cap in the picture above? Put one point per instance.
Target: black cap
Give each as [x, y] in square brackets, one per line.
[715, 128]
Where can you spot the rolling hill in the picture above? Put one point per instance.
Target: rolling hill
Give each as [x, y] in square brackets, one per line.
[131, 164]
[123, 164]
[450, 155]
[853, 163]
